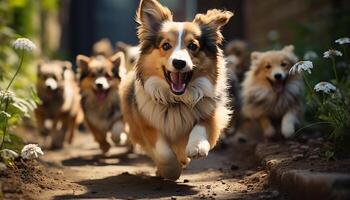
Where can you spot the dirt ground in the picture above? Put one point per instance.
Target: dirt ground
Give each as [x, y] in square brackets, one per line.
[80, 172]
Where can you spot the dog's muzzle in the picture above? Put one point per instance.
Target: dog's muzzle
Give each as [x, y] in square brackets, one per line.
[101, 83]
[51, 84]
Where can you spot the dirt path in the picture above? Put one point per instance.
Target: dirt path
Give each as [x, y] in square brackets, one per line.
[225, 174]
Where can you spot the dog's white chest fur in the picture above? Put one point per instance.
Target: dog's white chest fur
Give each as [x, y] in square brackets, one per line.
[171, 114]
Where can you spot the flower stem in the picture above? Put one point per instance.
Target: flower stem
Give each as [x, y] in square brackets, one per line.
[8, 99]
[5, 126]
[312, 91]
[335, 70]
[17, 71]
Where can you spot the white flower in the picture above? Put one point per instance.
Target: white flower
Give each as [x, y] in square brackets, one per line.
[344, 40]
[23, 44]
[310, 55]
[7, 95]
[325, 87]
[332, 53]
[31, 151]
[8, 154]
[301, 66]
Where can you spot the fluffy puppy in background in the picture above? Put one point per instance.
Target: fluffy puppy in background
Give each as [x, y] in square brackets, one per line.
[270, 94]
[131, 53]
[59, 94]
[176, 100]
[237, 57]
[99, 81]
[103, 47]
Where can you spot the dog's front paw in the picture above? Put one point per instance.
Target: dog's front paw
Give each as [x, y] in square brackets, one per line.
[198, 150]
[288, 129]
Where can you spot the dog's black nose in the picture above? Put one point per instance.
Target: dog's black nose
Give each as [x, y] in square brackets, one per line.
[278, 76]
[179, 64]
[99, 86]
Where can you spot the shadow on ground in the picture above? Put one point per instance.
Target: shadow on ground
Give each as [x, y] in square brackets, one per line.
[131, 186]
[123, 158]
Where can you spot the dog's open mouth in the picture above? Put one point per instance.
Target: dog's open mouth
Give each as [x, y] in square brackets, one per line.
[178, 81]
[101, 95]
[278, 85]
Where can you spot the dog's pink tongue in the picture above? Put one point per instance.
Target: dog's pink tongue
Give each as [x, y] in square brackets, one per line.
[177, 82]
[279, 86]
[101, 96]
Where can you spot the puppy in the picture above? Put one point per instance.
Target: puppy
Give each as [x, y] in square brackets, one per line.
[236, 54]
[99, 81]
[176, 100]
[103, 47]
[131, 53]
[59, 94]
[270, 94]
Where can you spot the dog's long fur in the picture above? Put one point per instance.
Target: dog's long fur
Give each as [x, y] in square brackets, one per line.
[263, 101]
[101, 106]
[172, 128]
[59, 93]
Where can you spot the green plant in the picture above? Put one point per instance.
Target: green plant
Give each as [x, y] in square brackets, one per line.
[331, 99]
[14, 108]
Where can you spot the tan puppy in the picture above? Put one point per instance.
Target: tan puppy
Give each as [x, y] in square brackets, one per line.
[176, 100]
[99, 82]
[59, 93]
[270, 94]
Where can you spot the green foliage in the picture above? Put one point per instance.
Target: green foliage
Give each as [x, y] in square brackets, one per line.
[333, 107]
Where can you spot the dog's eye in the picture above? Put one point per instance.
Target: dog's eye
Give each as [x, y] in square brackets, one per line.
[192, 46]
[283, 64]
[268, 66]
[92, 75]
[166, 46]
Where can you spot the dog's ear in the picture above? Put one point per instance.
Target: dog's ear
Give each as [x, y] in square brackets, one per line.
[291, 55]
[121, 46]
[150, 15]
[83, 66]
[289, 49]
[255, 56]
[214, 20]
[38, 67]
[67, 71]
[118, 61]
[66, 65]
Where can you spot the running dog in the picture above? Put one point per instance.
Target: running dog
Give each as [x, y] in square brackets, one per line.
[59, 94]
[176, 100]
[99, 81]
[270, 94]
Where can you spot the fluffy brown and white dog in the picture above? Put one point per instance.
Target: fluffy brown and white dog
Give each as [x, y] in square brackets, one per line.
[271, 94]
[99, 81]
[59, 94]
[176, 101]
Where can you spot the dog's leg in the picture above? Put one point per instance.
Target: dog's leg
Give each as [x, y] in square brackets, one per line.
[168, 166]
[198, 145]
[40, 119]
[59, 133]
[100, 137]
[288, 124]
[267, 127]
[71, 129]
[118, 133]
